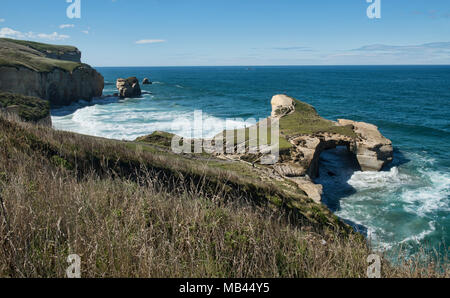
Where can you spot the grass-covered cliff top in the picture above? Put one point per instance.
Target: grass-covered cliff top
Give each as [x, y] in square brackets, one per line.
[27, 107]
[42, 47]
[18, 53]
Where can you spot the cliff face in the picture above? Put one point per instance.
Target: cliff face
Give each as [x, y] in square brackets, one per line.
[73, 55]
[60, 87]
[46, 71]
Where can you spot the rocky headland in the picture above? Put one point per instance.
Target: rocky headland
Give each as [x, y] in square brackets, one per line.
[304, 135]
[50, 72]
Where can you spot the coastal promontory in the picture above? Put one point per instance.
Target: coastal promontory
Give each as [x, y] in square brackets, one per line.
[50, 72]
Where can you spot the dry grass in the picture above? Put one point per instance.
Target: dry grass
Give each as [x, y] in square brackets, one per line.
[140, 225]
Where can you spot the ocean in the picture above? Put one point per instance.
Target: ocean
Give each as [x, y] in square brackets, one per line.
[406, 205]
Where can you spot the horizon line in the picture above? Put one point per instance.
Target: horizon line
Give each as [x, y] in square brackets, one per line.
[273, 65]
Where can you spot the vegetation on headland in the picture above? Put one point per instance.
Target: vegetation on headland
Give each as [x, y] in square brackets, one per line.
[133, 210]
[159, 138]
[21, 53]
[42, 47]
[306, 120]
[27, 108]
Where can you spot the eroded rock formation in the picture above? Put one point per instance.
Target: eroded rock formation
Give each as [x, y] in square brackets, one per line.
[128, 88]
[309, 135]
[282, 105]
[372, 150]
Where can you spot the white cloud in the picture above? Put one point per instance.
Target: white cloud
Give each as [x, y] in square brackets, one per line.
[85, 31]
[11, 33]
[53, 36]
[408, 48]
[429, 53]
[63, 26]
[148, 41]
[8, 32]
[2, 20]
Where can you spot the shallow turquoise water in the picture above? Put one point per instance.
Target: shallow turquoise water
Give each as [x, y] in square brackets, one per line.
[406, 204]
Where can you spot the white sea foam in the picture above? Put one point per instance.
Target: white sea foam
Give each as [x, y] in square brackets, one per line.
[128, 122]
[397, 206]
[368, 180]
[426, 200]
[418, 237]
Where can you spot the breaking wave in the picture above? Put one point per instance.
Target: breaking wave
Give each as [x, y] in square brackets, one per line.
[402, 205]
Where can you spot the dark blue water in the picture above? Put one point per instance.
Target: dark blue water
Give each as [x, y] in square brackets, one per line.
[406, 204]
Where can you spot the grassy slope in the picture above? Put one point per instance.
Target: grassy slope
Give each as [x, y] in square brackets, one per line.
[42, 47]
[127, 159]
[28, 108]
[132, 210]
[16, 53]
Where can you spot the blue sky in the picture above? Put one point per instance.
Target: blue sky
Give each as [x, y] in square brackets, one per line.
[237, 32]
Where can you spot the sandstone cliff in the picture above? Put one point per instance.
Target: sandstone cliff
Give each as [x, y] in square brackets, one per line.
[46, 71]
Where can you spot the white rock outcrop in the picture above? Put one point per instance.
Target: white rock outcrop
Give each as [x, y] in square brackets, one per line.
[282, 105]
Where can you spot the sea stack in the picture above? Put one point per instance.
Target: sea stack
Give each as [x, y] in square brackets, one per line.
[146, 81]
[128, 88]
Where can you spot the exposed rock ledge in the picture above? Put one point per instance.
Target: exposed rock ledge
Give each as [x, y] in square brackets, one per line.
[371, 148]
